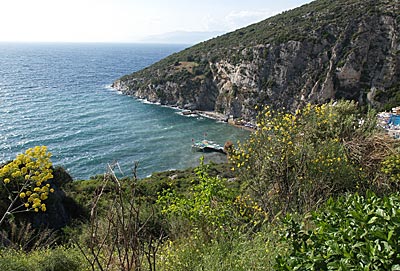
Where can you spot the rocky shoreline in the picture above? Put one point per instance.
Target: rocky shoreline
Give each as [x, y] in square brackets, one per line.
[221, 117]
[189, 112]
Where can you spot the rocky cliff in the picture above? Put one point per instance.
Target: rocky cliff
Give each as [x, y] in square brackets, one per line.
[328, 49]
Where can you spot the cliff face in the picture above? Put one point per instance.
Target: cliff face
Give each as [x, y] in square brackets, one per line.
[321, 51]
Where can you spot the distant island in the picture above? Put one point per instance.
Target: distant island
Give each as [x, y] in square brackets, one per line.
[315, 53]
[182, 37]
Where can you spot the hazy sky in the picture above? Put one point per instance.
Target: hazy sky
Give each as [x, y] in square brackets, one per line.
[127, 20]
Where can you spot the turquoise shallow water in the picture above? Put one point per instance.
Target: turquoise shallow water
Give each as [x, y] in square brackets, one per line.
[58, 95]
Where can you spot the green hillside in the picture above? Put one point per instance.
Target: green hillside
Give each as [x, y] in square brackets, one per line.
[320, 51]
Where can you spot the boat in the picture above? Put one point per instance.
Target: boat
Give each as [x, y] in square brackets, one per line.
[207, 146]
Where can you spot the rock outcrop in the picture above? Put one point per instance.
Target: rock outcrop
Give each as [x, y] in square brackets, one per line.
[321, 51]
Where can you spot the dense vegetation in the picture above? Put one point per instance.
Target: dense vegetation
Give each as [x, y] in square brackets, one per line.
[326, 30]
[313, 190]
[353, 233]
[297, 24]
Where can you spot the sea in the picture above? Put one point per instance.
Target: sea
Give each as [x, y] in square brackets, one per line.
[59, 95]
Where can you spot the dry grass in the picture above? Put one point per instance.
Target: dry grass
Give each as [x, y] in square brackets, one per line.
[369, 153]
[185, 65]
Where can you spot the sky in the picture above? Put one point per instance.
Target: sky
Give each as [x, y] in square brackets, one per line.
[128, 20]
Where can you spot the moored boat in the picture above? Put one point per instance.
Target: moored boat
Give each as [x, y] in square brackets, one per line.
[207, 146]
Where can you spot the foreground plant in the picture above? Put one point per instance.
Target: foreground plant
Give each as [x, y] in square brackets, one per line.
[118, 237]
[205, 207]
[210, 208]
[59, 258]
[295, 161]
[352, 233]
[25, 182]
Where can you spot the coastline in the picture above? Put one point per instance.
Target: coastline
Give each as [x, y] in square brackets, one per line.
[206, 114]
[221, 117]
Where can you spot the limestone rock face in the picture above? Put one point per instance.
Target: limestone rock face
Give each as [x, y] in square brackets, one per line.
[331, 50]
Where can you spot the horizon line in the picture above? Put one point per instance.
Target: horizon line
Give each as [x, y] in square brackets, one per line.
[96, 42]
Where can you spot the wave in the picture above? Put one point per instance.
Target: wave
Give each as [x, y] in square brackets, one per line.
[109, 87]
[81, 120]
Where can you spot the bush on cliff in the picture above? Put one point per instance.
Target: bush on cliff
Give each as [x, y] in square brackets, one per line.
[32, 202]
[294, 162]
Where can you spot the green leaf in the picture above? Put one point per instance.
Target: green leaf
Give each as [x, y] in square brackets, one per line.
[372, 220]
[390, 234]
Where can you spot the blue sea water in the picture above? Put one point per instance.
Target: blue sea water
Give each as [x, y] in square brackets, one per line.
[58, 95]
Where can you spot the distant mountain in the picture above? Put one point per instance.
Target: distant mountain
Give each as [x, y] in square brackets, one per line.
[328, 49]
[182, 37]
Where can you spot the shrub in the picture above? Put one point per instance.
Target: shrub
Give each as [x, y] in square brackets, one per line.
[25, 182]
[293, 162]
[25, 237]
[391, 168]
[56, 259]
[236, 252]
[210, 209]
[118, 235]
[352, 233]
[206, 205]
